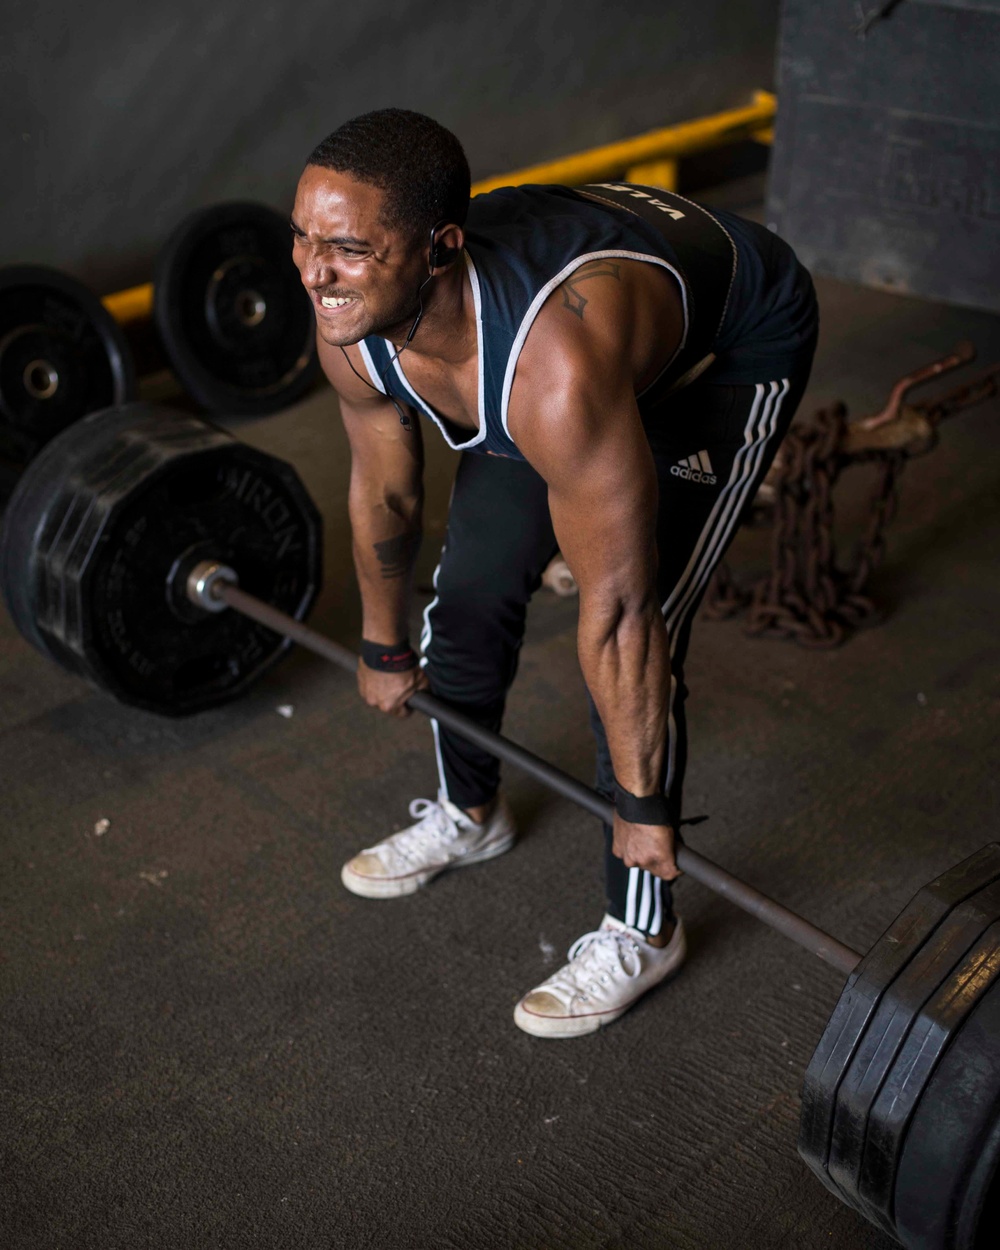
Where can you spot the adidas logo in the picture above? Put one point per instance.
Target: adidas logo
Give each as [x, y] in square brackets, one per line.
[696, 468]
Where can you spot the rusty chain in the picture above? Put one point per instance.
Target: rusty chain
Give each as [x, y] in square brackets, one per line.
[806, 596]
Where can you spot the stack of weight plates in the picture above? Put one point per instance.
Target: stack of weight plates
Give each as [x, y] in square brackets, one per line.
[912, 1012]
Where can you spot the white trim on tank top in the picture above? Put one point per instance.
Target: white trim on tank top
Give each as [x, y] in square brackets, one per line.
[480, 396]
[373, 373]
[536, 306]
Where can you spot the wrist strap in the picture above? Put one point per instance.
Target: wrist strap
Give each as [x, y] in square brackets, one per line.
[651, 809]
[394, 658]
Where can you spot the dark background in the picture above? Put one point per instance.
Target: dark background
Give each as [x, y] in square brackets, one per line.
[886, 166]
[206, 1043]
[122, 117]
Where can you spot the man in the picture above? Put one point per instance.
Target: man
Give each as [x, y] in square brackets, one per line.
[628, 363]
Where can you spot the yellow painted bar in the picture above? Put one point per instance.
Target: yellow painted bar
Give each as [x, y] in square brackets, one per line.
[613, 159]
[135, 304]
[654, 174]
[650, 158]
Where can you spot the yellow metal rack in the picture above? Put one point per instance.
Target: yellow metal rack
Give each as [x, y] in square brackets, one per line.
[649, 158]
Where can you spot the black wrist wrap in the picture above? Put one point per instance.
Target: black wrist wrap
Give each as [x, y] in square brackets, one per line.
[396, 658]
[652, 809]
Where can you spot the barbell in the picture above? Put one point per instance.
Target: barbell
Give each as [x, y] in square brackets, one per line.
[171, 565]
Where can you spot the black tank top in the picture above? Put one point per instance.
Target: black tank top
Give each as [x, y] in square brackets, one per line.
[522, 242]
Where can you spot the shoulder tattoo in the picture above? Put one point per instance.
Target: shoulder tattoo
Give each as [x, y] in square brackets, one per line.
[573, 297]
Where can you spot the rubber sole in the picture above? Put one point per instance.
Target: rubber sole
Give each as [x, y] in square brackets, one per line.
[569, 1026]
[580, 1026]
[399, 887]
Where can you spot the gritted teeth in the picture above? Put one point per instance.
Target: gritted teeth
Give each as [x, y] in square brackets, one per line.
[333, 301]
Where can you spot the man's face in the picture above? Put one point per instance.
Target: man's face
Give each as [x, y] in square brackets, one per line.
[361, 275]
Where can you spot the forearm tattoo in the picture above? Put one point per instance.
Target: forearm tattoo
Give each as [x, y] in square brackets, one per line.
[396, 555]
[573, 298]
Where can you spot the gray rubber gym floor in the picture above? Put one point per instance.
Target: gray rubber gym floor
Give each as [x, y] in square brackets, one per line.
[206, 1042]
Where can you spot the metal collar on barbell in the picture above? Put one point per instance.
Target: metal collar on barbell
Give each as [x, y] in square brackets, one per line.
[204, 580]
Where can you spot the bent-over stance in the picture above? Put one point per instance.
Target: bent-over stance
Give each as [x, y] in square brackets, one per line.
[618, 366]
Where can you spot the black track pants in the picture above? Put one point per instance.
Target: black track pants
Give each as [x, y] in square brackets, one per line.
[712, 447]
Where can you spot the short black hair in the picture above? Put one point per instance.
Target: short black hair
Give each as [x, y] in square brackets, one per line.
[419, 165]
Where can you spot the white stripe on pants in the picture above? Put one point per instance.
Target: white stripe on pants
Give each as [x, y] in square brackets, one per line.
[644, 890]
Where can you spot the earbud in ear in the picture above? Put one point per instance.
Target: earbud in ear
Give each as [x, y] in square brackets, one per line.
[439, 255]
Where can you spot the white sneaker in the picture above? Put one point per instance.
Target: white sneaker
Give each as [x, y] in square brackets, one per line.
[443, 837]
[608, 971]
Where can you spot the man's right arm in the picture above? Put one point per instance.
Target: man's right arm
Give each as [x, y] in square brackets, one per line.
[385, 502]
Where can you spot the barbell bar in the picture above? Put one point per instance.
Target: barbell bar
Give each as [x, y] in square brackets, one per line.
[116, 560]
[966, 910]
[211, 584]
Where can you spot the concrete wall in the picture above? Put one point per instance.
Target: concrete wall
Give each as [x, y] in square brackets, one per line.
[121, 117]
[886, 167]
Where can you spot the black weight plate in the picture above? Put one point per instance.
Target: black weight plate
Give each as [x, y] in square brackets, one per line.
[863, 991]
[936, 1024]
[936, 964]
[91, 573]
[36, 501]
[234, 318]
[947, 1190]
[62, 355]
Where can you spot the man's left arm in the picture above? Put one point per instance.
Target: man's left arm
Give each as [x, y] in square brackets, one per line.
[574, 416]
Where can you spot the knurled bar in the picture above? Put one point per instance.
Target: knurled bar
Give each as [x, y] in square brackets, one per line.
[782, 919]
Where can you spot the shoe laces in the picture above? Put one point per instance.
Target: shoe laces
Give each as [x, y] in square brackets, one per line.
[596, 960]
[435, 825]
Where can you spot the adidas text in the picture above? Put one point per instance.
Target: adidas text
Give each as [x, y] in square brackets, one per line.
[696, 468]
[693, 475]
